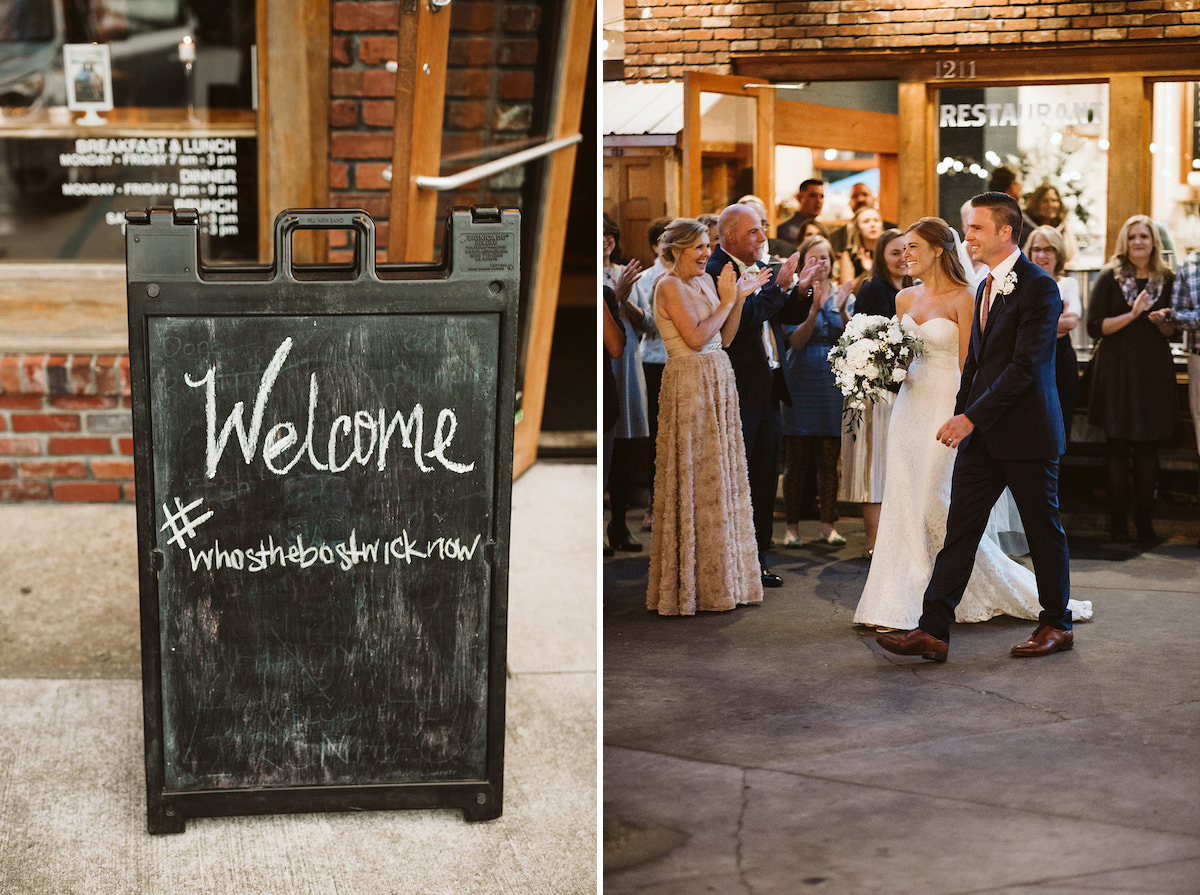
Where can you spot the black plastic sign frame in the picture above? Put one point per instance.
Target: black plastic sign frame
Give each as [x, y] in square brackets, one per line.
[323, 461]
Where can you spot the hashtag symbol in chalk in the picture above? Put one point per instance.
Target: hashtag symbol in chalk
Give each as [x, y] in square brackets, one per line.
[181, 524]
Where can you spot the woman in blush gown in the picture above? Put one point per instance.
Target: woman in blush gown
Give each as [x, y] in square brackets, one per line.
[703, 555]
[912, 524]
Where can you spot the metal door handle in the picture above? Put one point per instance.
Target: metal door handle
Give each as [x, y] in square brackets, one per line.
[454, 181]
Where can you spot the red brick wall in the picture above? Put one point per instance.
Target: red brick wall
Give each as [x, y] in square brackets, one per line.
[361, 107]
[490, 86]
[65, 428]
[678, 36]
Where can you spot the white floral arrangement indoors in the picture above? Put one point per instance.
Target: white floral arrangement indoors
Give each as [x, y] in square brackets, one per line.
[870, 361]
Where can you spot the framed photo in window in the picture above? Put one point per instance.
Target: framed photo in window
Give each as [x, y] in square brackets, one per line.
[88, 70]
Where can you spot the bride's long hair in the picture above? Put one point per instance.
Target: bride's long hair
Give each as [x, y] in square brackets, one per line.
[938, 234]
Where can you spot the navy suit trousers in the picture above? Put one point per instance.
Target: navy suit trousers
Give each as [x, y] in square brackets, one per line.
[762, 430]
[978, 481]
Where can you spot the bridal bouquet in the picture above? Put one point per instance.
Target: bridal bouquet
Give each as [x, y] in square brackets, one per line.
[869, 361]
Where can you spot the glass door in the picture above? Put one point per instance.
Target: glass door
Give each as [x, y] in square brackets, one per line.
[528, 107]
[728, 134]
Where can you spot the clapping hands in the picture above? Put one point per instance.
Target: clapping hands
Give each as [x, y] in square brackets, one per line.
[731, 287]
[727, 285]
[748, 283]
[843, 295]
[812, 267]
[1160, 317]
[787, 272]
[625, 280]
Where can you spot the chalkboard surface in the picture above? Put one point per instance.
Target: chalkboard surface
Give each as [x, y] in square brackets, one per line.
[323, 507]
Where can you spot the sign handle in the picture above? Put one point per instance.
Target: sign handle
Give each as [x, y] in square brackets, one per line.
[293, 219]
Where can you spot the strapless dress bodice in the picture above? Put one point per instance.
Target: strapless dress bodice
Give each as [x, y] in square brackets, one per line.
[939, 337]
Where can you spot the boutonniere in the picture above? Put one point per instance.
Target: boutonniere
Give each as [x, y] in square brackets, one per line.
[1008, 284]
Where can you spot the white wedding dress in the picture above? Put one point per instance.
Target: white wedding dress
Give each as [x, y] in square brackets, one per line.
[912, 522]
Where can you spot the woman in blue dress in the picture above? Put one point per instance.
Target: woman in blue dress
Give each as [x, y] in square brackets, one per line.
[812, 425]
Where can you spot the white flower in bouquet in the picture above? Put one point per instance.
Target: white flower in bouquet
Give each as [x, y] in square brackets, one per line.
[869, 362]
[855, 325]
[858, 356]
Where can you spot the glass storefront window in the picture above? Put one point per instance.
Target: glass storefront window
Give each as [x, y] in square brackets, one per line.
[1175, 160]
[846, 134]
[181, 129]
[1050, 135]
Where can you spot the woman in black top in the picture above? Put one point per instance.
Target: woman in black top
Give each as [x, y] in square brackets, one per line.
[1133, 377]
[888, 276]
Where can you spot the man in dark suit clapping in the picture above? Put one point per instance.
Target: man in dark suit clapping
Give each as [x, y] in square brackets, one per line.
[756, 355]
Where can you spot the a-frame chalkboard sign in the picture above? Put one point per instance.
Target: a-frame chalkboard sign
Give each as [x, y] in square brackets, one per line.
[323, 467]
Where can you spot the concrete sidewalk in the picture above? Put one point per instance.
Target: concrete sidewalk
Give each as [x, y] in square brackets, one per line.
[72, 791]
[777, 749]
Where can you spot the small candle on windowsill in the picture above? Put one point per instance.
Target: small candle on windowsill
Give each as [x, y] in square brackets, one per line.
[187, 50]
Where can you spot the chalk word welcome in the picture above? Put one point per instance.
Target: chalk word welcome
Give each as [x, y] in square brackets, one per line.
[358, 438]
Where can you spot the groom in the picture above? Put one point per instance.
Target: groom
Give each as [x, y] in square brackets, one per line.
[1009, 432]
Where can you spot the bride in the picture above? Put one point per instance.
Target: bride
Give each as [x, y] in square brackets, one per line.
[912, 524]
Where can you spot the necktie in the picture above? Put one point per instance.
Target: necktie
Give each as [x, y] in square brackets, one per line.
[987, 302]
[770, 346]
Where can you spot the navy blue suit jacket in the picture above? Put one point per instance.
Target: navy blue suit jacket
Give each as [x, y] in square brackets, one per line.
[1008, 384]
[757, 384]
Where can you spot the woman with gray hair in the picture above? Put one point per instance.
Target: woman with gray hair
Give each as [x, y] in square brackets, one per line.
[703, 555]
[1047, 248]
[1133, 377]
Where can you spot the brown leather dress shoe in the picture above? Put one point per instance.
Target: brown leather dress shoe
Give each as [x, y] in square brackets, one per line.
[1044, 641]
[914, 643]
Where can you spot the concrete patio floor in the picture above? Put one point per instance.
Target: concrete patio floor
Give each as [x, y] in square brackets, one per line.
[779, 749]
[72, 790]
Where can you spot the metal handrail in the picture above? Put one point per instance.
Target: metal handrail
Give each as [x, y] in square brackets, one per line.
[454, 181]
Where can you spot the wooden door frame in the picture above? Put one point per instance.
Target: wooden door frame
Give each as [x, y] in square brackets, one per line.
[695, 83]
[293, 45]
[825, 127]
[857, 131]
[1129, 68]
[420, 99]
[423, 47]
[569, 85]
